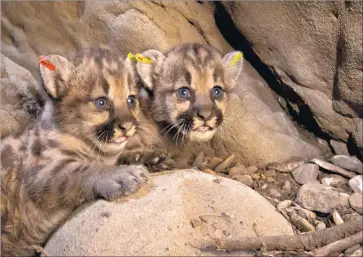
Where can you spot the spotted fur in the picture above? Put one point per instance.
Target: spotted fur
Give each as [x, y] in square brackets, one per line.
[68, 157]
[200, 70]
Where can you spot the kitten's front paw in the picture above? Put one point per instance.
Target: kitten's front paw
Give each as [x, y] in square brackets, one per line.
[124, 180]
[159, 162]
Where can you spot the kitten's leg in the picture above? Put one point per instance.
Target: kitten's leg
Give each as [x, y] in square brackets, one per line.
[67, 182]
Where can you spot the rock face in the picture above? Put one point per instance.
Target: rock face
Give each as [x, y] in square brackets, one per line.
[18, 103]
[62, 28]
[314, 48]
[317, 197]
[179, 209]
[253, 114]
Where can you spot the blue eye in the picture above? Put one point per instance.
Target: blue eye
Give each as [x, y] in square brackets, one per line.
[217, 92]
[183, 93]
[101, 102]
[131, 100]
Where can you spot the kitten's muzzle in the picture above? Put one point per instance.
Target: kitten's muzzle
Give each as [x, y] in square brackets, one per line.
[125, 126]
[203, 128]
[119, 140]
[204, 113]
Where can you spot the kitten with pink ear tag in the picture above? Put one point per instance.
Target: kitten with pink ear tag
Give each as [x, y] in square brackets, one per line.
[70, 156]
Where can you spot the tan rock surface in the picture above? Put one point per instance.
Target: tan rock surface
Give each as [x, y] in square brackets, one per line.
[34, 28]
[18, 105]
[316, 49]
[179, 209]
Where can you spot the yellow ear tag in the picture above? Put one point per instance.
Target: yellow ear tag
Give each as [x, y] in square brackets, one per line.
[143, 59]
[236, 58]
[130, 56]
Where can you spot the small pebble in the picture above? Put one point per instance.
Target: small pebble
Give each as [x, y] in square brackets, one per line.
[252, 169]
[270, 179]
[356, 184]
[289, 210]
[301, 223]
[301, 213]
[203, 165]
[255, 176]
[286, 187]
[270, 173]
[318, 197]
[333, 168]
[347, 162]
[306, 173]
[214, 162]
[209, 171]
[320, 225]
[334, 180]
[356, 202]
[244, 179]
[198, 160]
[309, 215]
[344, 199]
[275, 193]
[284, 204]
[225, 164]
[264, 186]
[336, 217]
[238, 170]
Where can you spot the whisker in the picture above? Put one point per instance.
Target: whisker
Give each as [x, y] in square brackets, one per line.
[143, 134]
[177, 134]
[176, 124]
[155, 110]
[165, 128]
[95, 142]
[184, 135]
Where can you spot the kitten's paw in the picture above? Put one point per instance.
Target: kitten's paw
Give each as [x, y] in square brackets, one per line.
[125, 180]
[159, 162]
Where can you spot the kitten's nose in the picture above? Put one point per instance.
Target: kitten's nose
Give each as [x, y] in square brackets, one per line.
[204, 113]
[125, 126]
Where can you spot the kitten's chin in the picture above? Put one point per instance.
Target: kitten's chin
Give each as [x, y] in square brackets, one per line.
[201, 136]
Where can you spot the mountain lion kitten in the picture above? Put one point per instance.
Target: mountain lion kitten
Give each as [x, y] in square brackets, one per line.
[68, 157]
[189, 88]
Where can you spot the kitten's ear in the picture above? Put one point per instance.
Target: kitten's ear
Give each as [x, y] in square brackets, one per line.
[55, 71]
[149, 66]
[233, 62]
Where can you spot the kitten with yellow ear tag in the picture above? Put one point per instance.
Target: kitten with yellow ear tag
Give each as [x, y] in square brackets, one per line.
[190, 85]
